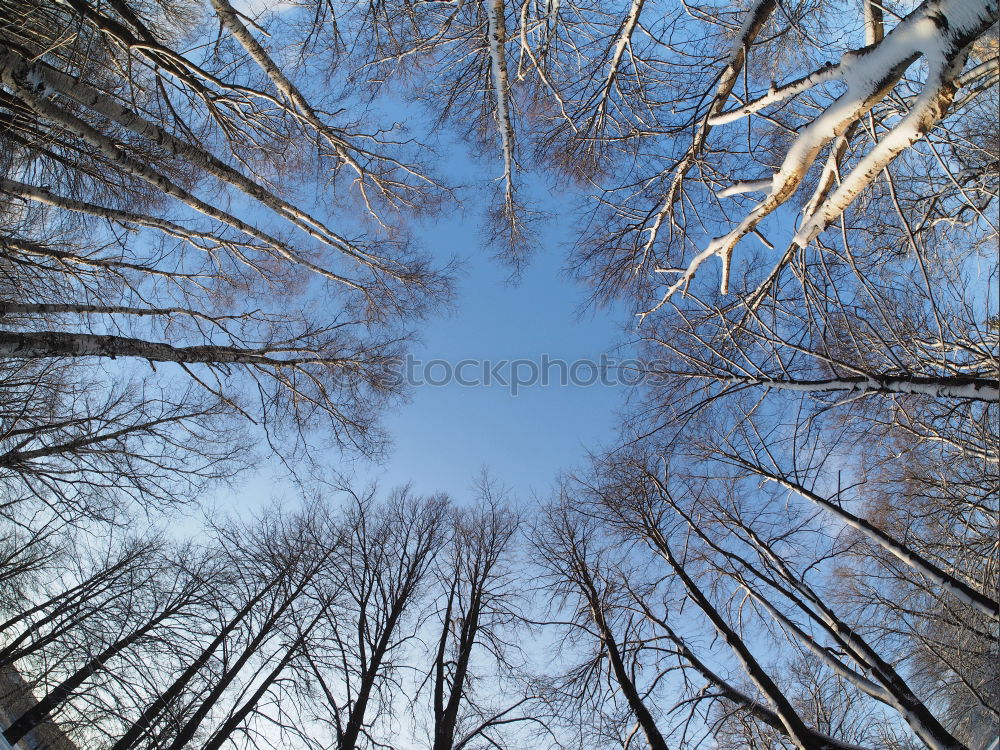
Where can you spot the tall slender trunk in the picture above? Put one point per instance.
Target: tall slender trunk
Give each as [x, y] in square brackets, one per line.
[960, 590]
[239, 716]
[132, 737]
[802, 736]
[446, 723]
[58, 695]
[187, 732]
[953, 386]
[356, 716]
[628, 687]
[46, 344]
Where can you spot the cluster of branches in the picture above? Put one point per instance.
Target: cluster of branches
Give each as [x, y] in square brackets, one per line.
[168, 195]
[812, 477]
[348, 624]
[740, 595]
[644, 102]
[797, 547]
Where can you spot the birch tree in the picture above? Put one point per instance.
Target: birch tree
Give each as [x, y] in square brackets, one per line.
[853, 350]
[763, 578]
[125, 130]
[475, 683]
[361, 649]
[173, 594]
[470, 47]
[604, 695]
[175, 645]
[874, 111]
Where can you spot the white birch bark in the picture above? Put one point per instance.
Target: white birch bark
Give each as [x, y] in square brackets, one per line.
[149, 175]
[198, 157]
[301, 106]
[496, 34]
[959, 387]
[941, 31]
[47, 344]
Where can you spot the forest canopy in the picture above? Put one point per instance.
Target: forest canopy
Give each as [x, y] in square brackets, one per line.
[209, 259]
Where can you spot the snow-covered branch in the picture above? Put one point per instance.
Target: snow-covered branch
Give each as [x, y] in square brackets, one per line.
[941, 31]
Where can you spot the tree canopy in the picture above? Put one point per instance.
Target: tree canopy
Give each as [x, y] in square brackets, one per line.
[208, 258]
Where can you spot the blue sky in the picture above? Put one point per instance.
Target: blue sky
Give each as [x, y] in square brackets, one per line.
[446, 433]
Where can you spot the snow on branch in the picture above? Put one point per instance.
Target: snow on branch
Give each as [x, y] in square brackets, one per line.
[940, 31]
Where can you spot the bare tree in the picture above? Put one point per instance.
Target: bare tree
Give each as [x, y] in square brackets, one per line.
[274, 565]
[174, 591]
[477, 690]
[768, 579]
[584, 580]
[122, 135]
[384, 570]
